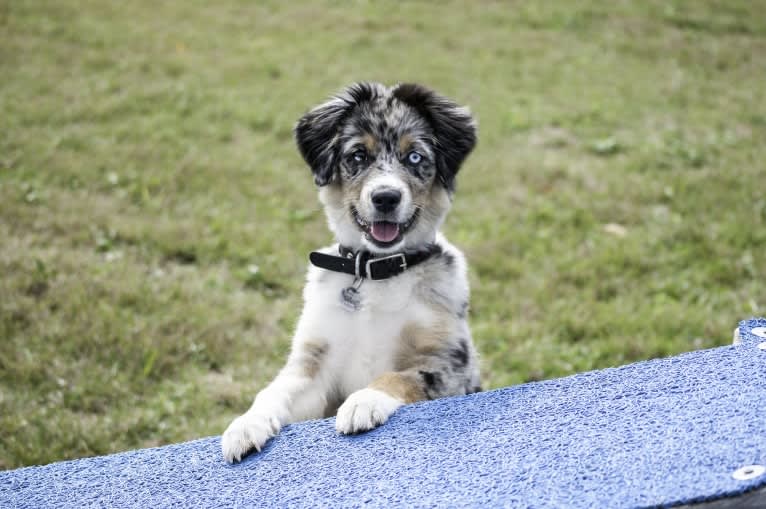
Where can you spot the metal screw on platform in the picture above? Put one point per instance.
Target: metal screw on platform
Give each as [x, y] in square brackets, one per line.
[758, 331]
[761, 333]
[748, 472]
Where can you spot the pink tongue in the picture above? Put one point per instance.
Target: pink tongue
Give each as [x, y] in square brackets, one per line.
[384, 232]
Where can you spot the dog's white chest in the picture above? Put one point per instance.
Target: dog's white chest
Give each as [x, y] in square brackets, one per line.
[363, 340]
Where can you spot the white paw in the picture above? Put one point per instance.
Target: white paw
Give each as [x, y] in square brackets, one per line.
[245, 433]
[365, 409]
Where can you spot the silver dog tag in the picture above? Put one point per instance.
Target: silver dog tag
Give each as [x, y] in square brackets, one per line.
[350, 296]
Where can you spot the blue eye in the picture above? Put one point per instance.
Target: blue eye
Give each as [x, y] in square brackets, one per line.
[359, 156]
[414, 158]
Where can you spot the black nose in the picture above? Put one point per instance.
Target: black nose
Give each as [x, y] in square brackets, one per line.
[386, 200]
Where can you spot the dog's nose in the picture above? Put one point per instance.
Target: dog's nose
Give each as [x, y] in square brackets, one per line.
[386, 200]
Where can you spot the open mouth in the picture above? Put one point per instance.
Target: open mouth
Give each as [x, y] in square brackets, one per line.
[384, 233]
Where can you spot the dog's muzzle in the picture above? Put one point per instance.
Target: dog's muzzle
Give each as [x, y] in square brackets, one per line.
[384, 232]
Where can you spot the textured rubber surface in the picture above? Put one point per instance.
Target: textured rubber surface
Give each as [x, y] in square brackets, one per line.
[662, 432]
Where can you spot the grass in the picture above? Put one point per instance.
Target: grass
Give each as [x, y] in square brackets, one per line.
[155, 216]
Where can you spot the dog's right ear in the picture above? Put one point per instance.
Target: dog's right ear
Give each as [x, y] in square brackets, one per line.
[317, 132]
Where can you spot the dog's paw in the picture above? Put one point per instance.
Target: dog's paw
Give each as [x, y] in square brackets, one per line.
[365, 409]
[245, 433]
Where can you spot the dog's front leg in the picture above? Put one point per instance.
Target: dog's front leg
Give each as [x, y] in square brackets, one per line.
[294, 394]
[370, 407]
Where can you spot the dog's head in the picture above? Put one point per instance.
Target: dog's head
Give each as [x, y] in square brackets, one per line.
[385, 160]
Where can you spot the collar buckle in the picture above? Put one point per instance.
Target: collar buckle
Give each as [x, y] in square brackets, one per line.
[386, 266]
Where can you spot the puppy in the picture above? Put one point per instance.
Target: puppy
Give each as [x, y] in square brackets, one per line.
[384, 317]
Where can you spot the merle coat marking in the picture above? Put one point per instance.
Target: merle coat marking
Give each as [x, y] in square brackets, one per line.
[385, 161]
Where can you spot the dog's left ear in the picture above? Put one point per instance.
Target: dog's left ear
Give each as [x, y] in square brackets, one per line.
[454, 128]
[317, 131]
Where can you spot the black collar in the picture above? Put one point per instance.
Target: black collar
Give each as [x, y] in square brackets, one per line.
[364, 264]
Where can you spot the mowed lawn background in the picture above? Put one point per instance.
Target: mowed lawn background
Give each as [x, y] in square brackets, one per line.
[156, 218]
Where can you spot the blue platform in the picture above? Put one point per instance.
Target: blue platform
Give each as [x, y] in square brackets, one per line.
[670, 431]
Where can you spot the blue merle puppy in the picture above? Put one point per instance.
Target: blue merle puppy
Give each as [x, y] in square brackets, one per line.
[384, 319]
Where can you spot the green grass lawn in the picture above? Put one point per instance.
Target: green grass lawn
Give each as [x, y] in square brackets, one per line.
[156, 218]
